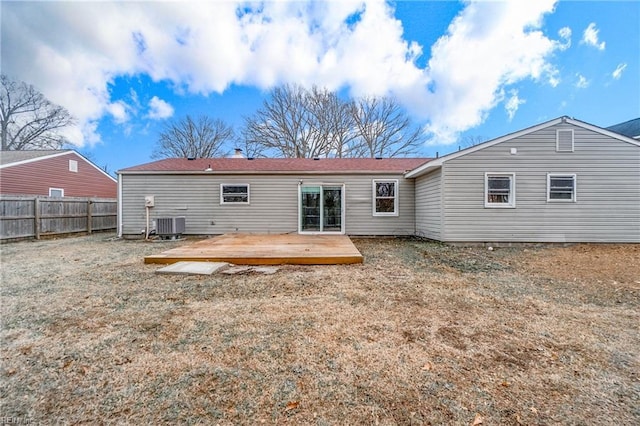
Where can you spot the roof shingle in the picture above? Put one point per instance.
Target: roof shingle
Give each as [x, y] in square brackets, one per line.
[275, 165]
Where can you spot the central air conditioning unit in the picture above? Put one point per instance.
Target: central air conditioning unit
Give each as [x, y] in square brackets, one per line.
[170, 226]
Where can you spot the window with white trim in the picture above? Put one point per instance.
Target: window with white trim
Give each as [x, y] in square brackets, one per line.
[500, 190]
[561, 187]
[56, 192]
[385, 197]
[73, 166]
[564, 140]
[234, 193]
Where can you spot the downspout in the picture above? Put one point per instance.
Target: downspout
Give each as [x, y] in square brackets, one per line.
[119, 205]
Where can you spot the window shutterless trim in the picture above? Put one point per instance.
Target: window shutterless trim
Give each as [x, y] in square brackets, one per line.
[222, 193]
[375, 197]
[573, 192]
[511, 194]
[56, 189]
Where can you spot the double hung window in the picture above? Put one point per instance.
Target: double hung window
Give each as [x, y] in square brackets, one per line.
[385, 197]
[500, 190]
[561, 187]
[234, 194]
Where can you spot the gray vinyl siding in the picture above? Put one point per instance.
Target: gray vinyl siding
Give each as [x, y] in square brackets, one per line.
[273, 206]
[608, 191]
[428, 205]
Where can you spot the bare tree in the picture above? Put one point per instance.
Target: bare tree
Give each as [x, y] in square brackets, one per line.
[28, 119]
[286, 125]
[471, 140]
[297, 122]
[384, 129]
[251, 148]
[187, 138]
[333, 123]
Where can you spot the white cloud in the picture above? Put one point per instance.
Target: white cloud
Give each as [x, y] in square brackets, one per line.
[204, 47]
[565, 34]
[118, 111]
[159, 109]
[590, 37]
[617, 73]
[472, 64]
[513, 103]
[582, 82]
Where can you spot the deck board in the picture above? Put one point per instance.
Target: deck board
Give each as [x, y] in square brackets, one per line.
[265, 249]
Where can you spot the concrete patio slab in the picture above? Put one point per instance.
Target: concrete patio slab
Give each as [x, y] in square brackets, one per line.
[195, 268]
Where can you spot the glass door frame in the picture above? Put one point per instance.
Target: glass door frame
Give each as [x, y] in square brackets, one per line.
[342, 207]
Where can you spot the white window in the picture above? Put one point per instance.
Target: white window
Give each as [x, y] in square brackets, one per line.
[234, 193]
[56, 192]
[385, 197]
[500, 190]
[73, 166]
[564, 140]
[561, 187]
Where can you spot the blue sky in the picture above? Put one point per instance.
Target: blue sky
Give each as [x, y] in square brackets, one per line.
[461, 69]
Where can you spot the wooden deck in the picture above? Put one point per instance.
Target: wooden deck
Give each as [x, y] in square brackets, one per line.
[265, 249]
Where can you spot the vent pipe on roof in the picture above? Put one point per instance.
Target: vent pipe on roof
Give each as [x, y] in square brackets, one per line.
[237, 153]
[378, 158]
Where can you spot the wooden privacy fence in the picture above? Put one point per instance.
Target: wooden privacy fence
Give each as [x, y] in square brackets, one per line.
[35, 216]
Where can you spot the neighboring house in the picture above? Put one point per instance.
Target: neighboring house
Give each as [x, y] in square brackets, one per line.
[559, 181]
[629, 128]
[53, 173]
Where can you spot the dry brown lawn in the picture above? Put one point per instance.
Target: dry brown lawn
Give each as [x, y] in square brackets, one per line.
[421, 333]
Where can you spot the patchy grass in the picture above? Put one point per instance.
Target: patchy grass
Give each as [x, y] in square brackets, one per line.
[421, 333]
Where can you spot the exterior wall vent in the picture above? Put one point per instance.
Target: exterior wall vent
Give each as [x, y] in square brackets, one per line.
[564, 140]
[170, 226]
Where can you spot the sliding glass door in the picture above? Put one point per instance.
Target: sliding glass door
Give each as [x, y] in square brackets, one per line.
[321, 208]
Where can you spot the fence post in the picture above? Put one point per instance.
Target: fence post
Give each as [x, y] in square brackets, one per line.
[36, 217]
[89, 216]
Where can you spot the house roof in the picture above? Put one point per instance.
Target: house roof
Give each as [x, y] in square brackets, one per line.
[10, 157]
[434, 164]
[629, 128]
[277, 165]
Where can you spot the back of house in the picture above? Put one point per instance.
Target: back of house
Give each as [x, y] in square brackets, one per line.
[560, 181]
[355, 196]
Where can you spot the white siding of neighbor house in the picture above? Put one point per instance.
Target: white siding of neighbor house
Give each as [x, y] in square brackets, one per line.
[428, 205]
[608, 191]
[273, 204]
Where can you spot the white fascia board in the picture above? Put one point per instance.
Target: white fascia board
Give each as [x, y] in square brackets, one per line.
[35, 159]
[86, 160]
[438, 162]
[431, 165]
[602, 131]
[59, 154]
